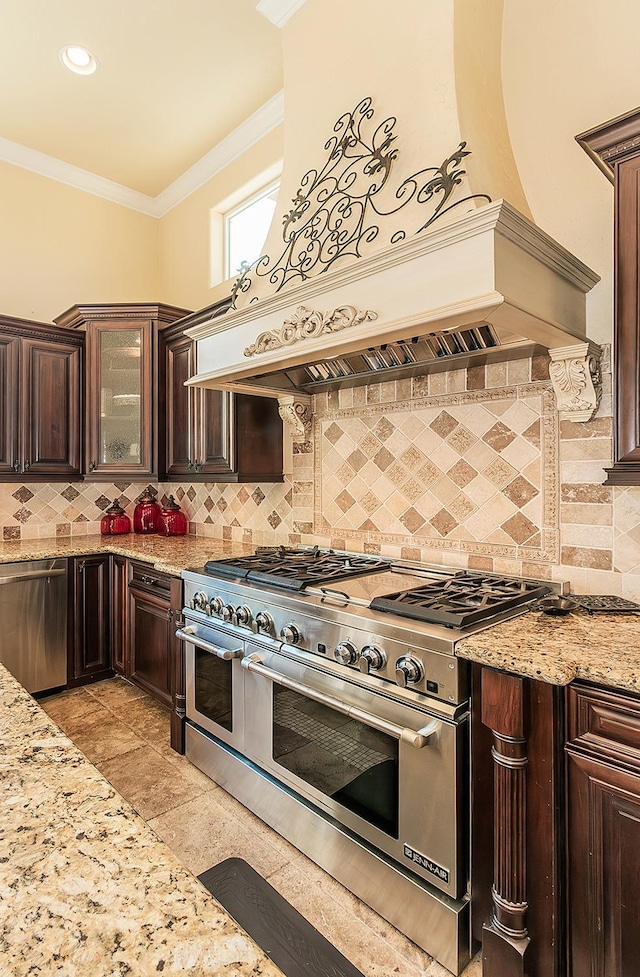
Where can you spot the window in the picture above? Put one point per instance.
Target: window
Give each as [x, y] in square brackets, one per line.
[245, 230]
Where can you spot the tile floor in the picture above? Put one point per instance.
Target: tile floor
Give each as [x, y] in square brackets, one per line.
[126, 735]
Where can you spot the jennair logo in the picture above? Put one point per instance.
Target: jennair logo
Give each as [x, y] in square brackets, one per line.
[419, 859]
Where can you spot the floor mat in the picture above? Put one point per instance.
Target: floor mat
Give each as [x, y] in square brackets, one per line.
[286, 937]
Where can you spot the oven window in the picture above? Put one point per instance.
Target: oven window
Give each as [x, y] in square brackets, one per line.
[213, 688]
[348, 761]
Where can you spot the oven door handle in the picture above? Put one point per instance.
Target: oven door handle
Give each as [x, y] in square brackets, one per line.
[414, 738]
[189, 634]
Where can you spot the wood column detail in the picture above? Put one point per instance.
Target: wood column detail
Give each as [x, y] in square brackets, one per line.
[505, 937]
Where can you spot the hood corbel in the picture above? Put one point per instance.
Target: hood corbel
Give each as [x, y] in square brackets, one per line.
[577, 381]
[296, 412]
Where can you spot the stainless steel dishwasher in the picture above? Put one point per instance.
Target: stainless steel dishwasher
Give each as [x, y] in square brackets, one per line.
[33, 622]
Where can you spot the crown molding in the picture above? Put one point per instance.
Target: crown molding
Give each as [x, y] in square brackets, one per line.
[74, 176]
[249, 132]
[279, 11]
[261, 123]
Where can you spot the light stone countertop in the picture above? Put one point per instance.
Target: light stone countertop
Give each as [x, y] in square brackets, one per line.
[599, 647]
[86, 887]
[171, 554]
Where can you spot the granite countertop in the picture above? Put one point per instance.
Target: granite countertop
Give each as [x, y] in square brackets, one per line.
[171, 554]
[600, 647]
[86, 887]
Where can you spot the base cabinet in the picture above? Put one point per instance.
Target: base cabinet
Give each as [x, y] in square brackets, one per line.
[90, 633]
[150, 639]
[603, 840]
[122, 618]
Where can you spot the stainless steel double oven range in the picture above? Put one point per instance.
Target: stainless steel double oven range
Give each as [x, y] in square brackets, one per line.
[323, 693]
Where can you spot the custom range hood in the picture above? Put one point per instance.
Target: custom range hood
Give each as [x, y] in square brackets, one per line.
[383, 268]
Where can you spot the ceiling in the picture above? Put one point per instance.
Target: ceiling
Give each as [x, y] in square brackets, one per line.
[175, 78]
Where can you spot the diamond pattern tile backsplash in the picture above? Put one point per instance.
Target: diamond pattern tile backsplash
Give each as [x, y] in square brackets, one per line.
[468, 468]
[470, 473]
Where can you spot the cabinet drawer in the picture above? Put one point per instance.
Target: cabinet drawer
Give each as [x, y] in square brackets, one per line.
[605, 723]
[146, 578]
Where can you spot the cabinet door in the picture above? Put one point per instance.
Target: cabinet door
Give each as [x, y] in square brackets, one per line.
[92, 618]
[120, 429]
[178, 408]
[119, 617]
[150, 641]
[604, 869]
[10, 461]
[216, 450]
[51, 408]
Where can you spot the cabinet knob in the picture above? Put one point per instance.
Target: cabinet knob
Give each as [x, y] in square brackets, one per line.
[16, 466]
[27, 466]
[92, 466]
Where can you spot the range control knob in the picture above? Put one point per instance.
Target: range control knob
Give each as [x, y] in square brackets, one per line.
[346, 652]
[408, 672]
[371, 659]
[244, 615]
[291, 634]
[199, 601]
[217, 604]
[227, 613]
[264, 622]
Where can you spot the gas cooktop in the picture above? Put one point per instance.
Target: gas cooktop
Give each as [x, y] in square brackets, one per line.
[452, 598]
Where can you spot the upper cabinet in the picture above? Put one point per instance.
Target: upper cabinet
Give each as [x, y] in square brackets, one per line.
[615, 148]
[211, 435]
[120, 390]
[40, 397]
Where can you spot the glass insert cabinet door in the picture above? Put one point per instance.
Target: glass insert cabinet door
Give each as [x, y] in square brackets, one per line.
[119, 398]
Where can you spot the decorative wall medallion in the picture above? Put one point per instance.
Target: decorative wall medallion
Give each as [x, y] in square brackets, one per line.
[575, 374]
[296, 412]
[307, 324]
[339, 208]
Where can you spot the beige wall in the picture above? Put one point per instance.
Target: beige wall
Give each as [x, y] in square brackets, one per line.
[60, 245]
[568, 67]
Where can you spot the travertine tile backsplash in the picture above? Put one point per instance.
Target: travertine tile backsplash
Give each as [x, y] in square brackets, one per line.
[470, 468]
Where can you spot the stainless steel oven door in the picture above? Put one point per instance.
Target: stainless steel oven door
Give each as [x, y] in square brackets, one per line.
[393, 773]
[214, 680]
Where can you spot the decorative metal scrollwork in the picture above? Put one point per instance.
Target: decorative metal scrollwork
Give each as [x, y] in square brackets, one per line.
[337, 209]
[307, 324]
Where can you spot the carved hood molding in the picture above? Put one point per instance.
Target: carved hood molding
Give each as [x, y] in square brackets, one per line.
[353, 295]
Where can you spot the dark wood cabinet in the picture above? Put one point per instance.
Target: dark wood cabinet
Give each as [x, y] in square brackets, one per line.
[615, 148]
[40, 398]
[120, 393]
[151, 633]
[211, 435]
[155, 601]
[91, 630]
[119, 613]
[603, 838]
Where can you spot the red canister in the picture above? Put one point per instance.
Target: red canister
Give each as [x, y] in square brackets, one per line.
[173, 521]
[147, 515]
[115, 521]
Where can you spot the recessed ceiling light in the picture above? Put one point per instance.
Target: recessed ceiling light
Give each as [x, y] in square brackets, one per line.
[78, 59]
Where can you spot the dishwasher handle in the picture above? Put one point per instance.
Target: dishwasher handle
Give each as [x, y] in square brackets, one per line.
[189, 634]
[416, 738]
[33, 575]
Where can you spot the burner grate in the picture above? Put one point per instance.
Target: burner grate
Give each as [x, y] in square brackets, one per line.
[291, 569]
[462, 600]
